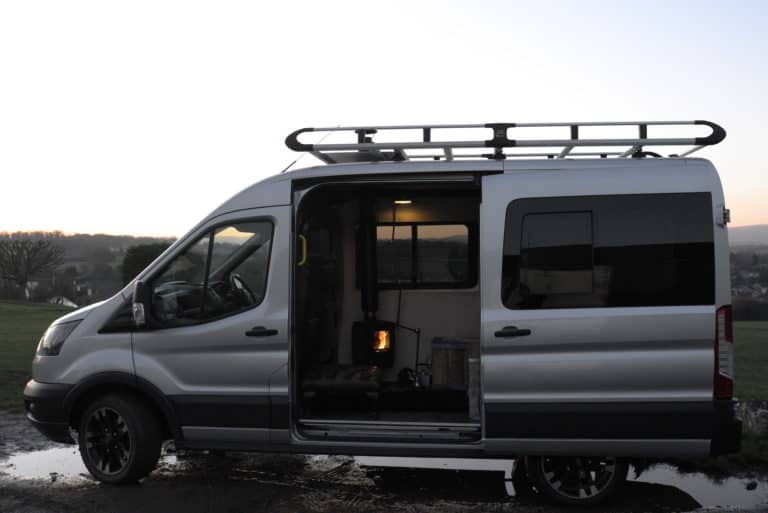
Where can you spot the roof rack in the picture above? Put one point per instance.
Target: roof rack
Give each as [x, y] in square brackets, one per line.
[368, 150]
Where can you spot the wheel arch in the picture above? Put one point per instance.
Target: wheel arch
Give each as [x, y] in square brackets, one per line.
[103, 383]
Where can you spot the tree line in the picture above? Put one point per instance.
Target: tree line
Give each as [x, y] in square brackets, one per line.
[40, 266]
[25, 256]
[87, 268]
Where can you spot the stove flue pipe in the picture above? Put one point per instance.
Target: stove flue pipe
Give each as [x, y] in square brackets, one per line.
[369, 290]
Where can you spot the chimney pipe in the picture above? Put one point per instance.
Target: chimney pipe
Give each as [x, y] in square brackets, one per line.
[369, 269]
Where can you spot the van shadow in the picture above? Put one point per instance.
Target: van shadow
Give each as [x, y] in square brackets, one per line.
[338, 480]
[428, 485]
[240, 482]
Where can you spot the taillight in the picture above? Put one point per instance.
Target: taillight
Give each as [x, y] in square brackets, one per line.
[724, 353]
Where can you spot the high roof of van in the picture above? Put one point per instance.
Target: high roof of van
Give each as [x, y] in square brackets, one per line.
[476, 166]
[696, 173]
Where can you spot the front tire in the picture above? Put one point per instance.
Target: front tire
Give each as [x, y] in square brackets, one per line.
[577, 481]
[119, 439]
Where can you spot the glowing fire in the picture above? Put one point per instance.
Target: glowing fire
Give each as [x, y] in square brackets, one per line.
[381, 341]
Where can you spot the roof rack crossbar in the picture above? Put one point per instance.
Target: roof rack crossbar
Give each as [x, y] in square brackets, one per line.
[366, 149]
[631, 151]
[602, 154]
[688, 152]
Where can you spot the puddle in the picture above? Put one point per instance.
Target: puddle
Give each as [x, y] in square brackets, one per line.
[430, 477]
[57, 464]
[54, 464]
[710, 493]
[728, 492]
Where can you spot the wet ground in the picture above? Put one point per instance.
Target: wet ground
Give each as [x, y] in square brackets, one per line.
[36, 476]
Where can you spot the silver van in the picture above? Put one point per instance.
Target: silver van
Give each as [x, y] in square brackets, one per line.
[519, 291]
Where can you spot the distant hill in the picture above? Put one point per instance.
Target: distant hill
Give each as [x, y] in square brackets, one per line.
[753, 235]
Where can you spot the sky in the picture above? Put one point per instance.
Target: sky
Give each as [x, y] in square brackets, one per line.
[142, 117]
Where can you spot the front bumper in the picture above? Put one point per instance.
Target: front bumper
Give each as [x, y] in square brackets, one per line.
[44, 404]
[726, 433]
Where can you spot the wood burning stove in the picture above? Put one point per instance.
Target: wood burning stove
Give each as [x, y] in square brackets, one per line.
[373, 343]
[373, 340]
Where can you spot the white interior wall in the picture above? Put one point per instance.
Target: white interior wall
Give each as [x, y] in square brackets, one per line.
[438, 313]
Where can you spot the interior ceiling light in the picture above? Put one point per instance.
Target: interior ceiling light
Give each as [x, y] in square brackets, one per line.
[403, 202]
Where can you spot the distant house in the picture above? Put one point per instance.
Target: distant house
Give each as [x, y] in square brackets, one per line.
[758, 291]
[29, 288]
[83, 287]
[61, 300]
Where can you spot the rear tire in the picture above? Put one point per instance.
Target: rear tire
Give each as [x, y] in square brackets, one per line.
[577, 481]
[119, 439]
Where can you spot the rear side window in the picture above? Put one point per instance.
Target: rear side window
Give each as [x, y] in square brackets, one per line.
[609, 251]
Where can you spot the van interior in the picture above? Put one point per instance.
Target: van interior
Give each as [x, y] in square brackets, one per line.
[387, 312]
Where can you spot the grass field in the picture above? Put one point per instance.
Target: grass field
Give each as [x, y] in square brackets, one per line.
[751, 341]
[21, 326]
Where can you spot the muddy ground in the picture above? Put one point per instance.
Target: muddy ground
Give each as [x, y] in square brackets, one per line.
[16, 435]
[38, 476]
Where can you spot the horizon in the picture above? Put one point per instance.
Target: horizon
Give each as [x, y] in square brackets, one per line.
[170, 237]
[88, 234]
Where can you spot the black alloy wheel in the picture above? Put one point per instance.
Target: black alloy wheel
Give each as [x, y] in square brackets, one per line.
[120, 438]
[577, 480]
[107, 440]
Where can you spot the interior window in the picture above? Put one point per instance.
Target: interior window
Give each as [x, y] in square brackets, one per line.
[442, 253]
[424, 255]
[223, 273]
[394, 250]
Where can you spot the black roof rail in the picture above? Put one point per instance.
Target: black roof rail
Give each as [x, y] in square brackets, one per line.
[501, 137]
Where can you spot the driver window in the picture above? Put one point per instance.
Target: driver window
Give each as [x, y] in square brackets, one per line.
[223, 273]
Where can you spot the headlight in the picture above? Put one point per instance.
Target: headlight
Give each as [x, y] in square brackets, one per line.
[54, 338]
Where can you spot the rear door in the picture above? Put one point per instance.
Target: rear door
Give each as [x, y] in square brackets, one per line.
[597, 309]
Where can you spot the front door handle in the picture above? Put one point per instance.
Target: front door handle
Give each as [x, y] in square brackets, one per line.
[512, 331]
[260, 331]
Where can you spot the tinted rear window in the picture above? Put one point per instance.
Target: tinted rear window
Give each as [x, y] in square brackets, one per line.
[609, 251]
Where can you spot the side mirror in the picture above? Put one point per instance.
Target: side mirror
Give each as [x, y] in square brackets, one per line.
[142, 302]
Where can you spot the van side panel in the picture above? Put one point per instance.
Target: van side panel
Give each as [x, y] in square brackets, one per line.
[599, 373]
[621, 373]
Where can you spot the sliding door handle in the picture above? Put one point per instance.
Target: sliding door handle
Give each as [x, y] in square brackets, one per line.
[260, 331]
[512, 331]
